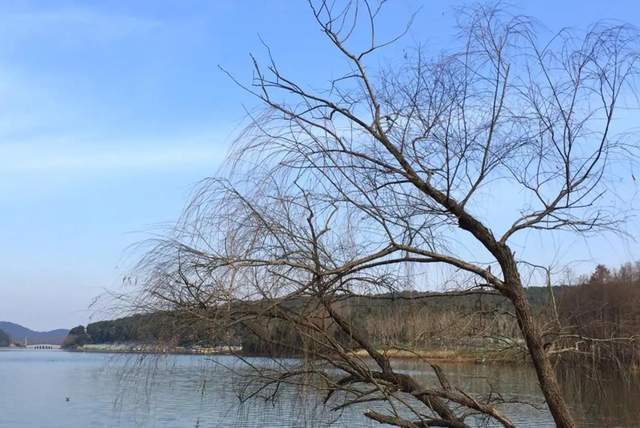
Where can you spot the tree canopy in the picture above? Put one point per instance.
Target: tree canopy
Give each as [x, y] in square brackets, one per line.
[5, 340]
[342, 191]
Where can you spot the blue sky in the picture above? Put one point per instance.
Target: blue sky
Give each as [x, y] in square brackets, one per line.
[111, 111]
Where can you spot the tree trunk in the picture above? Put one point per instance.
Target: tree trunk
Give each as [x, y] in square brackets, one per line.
[545, 371]
[514, 291]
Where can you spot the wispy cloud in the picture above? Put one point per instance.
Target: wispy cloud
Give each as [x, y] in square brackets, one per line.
[124, 156]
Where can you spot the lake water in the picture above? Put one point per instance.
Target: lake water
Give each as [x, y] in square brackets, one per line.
[194, 391]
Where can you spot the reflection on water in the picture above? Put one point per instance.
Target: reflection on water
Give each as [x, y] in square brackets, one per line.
[192, 391]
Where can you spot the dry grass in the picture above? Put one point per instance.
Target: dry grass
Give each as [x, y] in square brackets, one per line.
[442, 355]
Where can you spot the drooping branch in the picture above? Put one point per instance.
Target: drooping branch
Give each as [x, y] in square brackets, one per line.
[331, 193]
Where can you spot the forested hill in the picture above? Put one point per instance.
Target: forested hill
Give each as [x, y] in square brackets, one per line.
[19, 333]
[372, 310]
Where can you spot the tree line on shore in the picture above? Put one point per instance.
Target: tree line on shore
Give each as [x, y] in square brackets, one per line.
[599, 318]
[5, 340]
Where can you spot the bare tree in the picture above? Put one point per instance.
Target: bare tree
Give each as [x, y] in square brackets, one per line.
[338, 192]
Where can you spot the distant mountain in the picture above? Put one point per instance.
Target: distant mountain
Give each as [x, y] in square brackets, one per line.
[18, 333]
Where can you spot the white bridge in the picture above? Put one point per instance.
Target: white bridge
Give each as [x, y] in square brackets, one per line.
[42, 346]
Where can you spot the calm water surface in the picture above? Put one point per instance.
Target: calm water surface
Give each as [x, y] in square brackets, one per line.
[194, 391]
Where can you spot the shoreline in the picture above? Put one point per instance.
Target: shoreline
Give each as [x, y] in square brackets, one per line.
[154, 349]
[459, 355]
